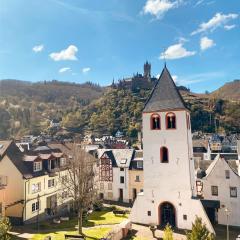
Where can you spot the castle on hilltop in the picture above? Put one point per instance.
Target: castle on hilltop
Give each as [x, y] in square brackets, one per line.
[137, 81]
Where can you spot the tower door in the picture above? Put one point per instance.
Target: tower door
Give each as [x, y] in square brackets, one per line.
[167, 214]
[120, 194]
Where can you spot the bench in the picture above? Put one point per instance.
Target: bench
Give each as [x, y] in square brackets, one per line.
[71, 236]
[116, 212]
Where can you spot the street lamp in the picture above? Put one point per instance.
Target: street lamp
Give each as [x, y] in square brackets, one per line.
[227, 214]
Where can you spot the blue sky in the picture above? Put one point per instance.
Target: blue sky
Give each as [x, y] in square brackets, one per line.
[82, 40]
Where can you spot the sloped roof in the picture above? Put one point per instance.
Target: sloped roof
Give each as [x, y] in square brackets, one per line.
[17, 158]
[165, 95]
[232, 165]
[119, 157]
[3, 147]
[123, 157]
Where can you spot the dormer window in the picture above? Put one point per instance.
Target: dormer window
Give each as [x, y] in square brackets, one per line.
[164, 158]
[155, 122]
[170, 121]
[37, 166]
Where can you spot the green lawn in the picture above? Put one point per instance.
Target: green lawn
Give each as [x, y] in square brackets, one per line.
[98, 220]
[104, 217]
[91, 234]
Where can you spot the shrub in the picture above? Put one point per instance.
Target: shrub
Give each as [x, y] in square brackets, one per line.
[168, 233]
[5, 226]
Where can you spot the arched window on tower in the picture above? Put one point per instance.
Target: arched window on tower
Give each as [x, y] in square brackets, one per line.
[155, 122]
[164, 157]
[170, 121]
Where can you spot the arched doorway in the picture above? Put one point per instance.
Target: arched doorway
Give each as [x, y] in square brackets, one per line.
[167, 214]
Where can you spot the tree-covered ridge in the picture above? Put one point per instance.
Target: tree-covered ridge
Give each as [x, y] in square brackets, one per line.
[27, 108]
[122, 109]
[90, 108]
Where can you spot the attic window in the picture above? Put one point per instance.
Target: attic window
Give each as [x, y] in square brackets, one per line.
[123, 161]
[155, 122]
[227, 174]
[37, 166]
[170, 121]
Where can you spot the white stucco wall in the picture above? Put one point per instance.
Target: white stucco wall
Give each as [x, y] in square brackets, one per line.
[117, 185]
[217, 178]
[172, 182]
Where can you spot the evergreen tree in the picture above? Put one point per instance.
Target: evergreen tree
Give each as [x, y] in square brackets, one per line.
[199, 231]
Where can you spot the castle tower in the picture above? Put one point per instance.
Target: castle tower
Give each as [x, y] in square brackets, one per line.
[169, 184]
[147, 70]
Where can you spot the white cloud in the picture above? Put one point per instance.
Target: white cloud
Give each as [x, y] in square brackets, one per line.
[217, 21]
[38, 48]
[229, 27]
[86, 69]
[65, 69]
[206, 43]
[159, 7]
[176, 51]
[199, 2]
[174, 77]
[66, 54]
[200, 77]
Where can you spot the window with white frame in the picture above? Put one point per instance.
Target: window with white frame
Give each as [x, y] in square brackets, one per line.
[36, 187]
[109, 186]
[51, 183]
[37, 166]
[233, 192]
[139, 164]
[101, 186]
[36, 206]
[63, 162]
[3, 180]
[137, 179]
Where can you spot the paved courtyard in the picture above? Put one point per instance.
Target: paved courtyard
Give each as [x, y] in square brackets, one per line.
[141, 232]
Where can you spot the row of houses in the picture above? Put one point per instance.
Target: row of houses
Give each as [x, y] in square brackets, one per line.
[120, 174]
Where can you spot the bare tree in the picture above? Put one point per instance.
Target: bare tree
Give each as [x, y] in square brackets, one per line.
[79, 180]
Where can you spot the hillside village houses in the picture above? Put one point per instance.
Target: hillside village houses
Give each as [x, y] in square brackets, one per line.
[160, 179]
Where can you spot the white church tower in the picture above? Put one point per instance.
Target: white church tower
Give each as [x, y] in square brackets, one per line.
[169, 194]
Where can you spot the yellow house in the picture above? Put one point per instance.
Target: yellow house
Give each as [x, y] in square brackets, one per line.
[33, 182]
[136, 175]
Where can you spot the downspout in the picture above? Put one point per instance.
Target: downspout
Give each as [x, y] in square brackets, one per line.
[25, 200]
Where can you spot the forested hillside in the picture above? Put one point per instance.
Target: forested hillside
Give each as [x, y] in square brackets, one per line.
[27, 108]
